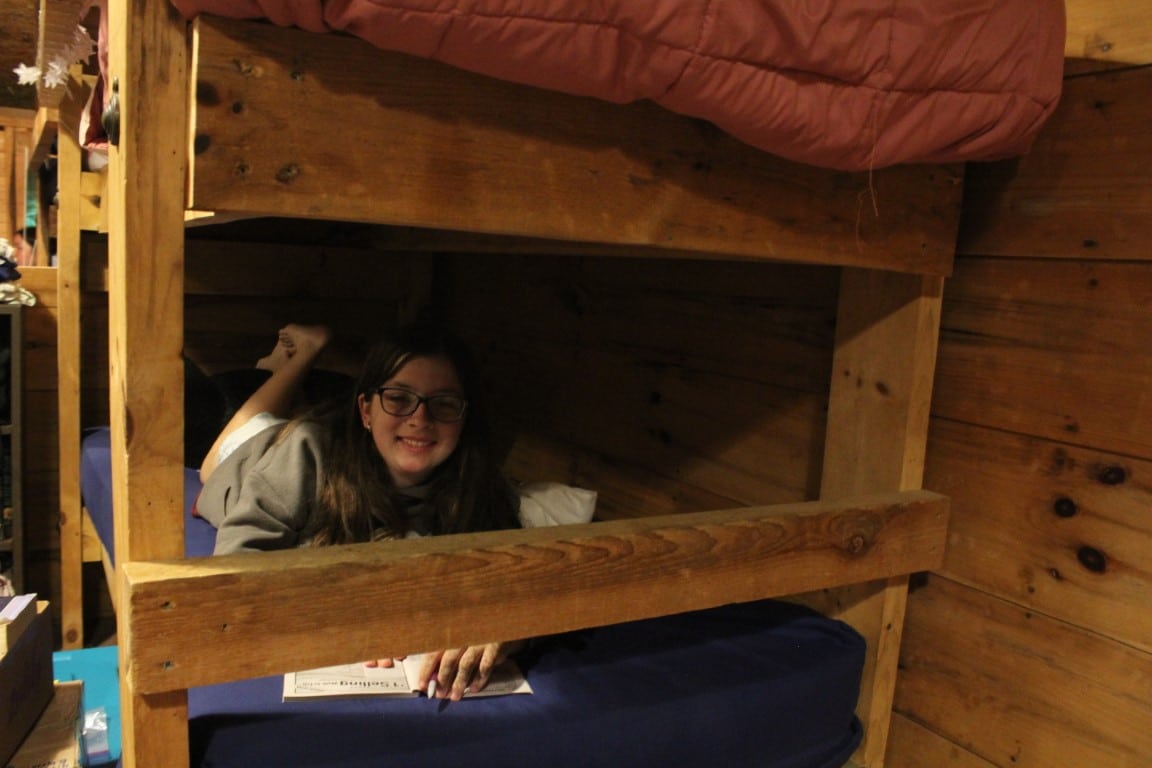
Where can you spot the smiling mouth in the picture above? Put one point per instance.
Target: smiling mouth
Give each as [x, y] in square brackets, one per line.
[413, 443]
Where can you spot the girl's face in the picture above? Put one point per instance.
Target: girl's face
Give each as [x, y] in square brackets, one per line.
[413, 446]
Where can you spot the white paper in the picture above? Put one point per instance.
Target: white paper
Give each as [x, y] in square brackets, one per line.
[15, 606]
[344, 680]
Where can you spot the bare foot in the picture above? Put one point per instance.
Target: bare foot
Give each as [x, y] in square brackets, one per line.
[293, 339]
[308, 340]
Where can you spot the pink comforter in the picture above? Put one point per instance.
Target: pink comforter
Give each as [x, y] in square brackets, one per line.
[846, 84]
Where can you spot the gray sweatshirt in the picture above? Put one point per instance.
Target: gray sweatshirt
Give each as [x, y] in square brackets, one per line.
[263, 496]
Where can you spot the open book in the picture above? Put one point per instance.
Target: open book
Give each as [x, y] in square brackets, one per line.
[356, 679]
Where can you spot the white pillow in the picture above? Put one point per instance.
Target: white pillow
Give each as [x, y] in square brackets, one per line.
[555, 504]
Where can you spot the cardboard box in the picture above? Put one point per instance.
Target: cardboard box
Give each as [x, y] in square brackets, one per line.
[25, 681]
[55, 740]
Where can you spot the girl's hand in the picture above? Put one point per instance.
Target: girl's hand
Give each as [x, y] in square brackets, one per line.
[461, 670]
[383, 663]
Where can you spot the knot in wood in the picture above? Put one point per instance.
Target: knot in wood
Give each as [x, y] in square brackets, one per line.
[288, 173]
[1092, 559]
[856, 532]
[1064, 507]
[247, 68]
[1112, 475]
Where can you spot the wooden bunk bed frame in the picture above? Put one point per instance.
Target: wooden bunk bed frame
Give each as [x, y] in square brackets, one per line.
[448, 151]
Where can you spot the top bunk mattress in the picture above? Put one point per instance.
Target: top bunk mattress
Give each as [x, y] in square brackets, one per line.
[846, 86]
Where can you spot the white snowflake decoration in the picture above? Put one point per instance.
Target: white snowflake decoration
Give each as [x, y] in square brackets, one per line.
[57, 73]
[78, 50]
[27, 75]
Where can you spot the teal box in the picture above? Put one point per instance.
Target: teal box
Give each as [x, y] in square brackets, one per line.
[99, 668]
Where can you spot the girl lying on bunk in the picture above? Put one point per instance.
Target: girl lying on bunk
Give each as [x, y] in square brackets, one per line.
[408, 454]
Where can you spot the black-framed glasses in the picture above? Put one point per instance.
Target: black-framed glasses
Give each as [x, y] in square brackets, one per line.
[397, 401]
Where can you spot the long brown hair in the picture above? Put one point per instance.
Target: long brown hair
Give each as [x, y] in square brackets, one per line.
[357, 494]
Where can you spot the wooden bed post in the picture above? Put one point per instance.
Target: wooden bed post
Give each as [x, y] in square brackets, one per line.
[68, 361]
[881, 395]
[148, 61]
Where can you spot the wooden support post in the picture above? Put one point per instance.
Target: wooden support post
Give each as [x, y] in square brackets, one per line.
[881, 393]
[148, 65]
[7, 201]
[68, 358]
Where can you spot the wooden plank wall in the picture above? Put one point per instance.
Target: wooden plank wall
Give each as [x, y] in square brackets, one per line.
[666, 385]
[15, 154]
[1032, 648]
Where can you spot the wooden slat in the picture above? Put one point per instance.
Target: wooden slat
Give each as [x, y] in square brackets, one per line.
[23, 172]
[882, 376]
[15, 116]
[1036, 351]
[90, 547]
[914, 746]
[8, 223]
[148, 72]
[44, 129]
[68, 362]
[422, 144]
[41, 281]
[222, 618]
[1082, 192]
[1019, 688]
[1109, 30]
[93, 190]
[15, 137]
[881, 391]
[1057, 528]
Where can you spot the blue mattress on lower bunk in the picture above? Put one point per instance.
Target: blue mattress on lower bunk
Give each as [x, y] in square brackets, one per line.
[96, 491]
[765, 684]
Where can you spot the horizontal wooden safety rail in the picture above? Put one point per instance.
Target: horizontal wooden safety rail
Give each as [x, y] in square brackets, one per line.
[210, 620]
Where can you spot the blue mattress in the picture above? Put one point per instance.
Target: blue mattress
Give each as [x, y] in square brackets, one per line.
[765, 684]
[96, 491]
